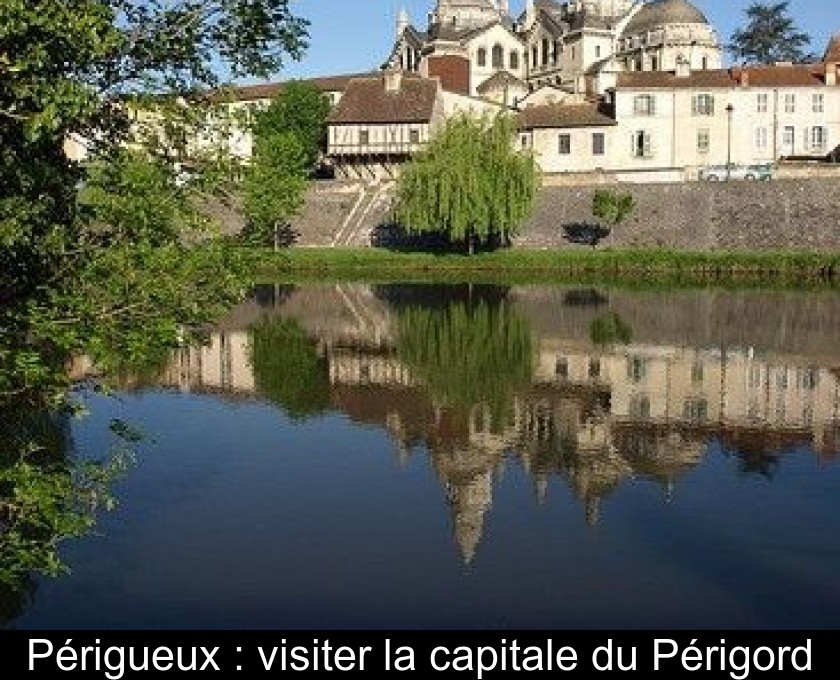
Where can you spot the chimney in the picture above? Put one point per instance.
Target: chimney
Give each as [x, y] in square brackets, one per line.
[504, 7]
[393, 81]
[743, 77]
[831, 74]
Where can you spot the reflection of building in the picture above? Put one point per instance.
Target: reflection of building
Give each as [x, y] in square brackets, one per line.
[594, 416]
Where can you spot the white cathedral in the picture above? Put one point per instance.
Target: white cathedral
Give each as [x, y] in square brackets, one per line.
[480, 48]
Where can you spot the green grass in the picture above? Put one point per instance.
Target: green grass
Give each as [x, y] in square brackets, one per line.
[642, 268]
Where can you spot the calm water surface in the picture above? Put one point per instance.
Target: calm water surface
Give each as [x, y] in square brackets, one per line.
[466, 456]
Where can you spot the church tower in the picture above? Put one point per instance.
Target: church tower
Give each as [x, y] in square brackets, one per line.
[464, 14]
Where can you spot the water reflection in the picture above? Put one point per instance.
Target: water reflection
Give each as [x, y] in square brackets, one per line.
[596, 388]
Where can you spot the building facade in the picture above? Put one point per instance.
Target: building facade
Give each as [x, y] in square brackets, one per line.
[556, 43]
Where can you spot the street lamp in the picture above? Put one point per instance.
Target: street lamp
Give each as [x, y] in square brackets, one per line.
[729, 111]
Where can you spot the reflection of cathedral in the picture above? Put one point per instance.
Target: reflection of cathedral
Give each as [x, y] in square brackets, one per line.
[594, 416]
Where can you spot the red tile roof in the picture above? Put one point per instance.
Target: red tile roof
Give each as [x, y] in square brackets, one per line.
[648, 80]
[797, 75]
[563, 116]
[367, 100]
[251, 93]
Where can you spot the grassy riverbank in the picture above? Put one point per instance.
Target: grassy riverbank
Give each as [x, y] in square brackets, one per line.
[632, 267]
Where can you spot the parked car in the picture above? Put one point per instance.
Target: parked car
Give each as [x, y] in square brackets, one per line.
[718, 173]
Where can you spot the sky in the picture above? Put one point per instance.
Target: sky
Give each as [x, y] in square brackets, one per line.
[349, 36]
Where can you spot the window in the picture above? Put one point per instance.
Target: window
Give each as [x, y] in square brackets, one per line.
[705, 64]
[364, 137]
[545, 50]
[761, 138]
[789, 138]
[819, 103]
[597, 51]
[561, 368]
[565, 144]
[695, 410]
[514, 61]
[535, 58]
[414, 136]
[481, 56]
[790, 103]
[524, 141]
[639, 407]
[761, 102]
[698, 372]
[703, 105]
[594, 368]
[654, 63]
[644, 105]
[819, 138]
[598, 144]
[498, 57]
[636, 369]
[703, 141]
[641, 145]
[558, 48]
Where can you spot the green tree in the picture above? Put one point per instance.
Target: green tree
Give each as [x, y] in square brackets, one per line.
[288, 370]
[301, 110]
[469, 184]
[62, 67]
[274, 187]
[770, 35]
[612, 207]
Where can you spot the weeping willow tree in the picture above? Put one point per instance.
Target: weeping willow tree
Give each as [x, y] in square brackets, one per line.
[470, 184]
[468, 355]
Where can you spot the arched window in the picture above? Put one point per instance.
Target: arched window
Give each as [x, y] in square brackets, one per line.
[514, 60]
[498, 57]
[482, 56]
[545, 49]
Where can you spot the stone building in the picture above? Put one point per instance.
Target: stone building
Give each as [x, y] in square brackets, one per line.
[553, 43]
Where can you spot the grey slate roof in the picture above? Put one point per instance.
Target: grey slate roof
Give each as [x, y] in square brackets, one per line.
[663, 12]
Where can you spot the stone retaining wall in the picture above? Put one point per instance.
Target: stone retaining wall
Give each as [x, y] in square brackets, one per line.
[775, 215]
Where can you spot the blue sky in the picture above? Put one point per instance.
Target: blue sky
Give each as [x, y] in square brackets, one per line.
[357, 35]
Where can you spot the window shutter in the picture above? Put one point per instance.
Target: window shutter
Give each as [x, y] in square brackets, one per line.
[711, 105]
[648, 145]
[695, 105]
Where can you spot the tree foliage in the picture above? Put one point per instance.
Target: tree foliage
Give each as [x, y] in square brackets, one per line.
[110, 260]
[469, 184]
[612, 207]
[67, 67]
[770, 35]
[274, 186]
[300, 109]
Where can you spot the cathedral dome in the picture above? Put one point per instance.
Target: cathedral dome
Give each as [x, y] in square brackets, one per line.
[663, 12]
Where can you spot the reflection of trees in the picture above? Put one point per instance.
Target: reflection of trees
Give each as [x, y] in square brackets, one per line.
[761, 452]
[468, 355]
[288, 369]
[610, 329]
